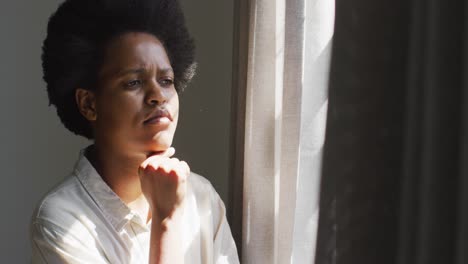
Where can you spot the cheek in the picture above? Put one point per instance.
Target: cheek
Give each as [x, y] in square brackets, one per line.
[176, 115]
[118, 110]
[175, 106]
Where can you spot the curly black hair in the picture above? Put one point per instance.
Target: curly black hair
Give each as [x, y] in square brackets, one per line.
[78, 33]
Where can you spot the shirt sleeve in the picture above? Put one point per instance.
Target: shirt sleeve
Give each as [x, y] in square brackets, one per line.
[52, 244]
[224, 247]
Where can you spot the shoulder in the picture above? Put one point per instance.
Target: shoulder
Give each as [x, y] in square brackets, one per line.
[207, 197]
[62, 207]
[203, 189]
[59, 230]
[200, 183]
[56, 199]
[224, 248]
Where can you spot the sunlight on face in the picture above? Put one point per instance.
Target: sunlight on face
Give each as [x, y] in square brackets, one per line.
[137, 104]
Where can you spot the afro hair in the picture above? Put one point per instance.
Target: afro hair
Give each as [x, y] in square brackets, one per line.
[78, 33]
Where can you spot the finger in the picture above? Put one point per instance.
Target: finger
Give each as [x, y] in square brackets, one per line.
[182, 174]
[154, 162]
[152, 159]
[167, 165]
[169, 152]
[164, 154]
[185, 168]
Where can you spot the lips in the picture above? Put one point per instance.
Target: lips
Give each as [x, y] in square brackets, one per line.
[159, 116]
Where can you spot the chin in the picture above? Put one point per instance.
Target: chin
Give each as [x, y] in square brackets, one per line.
[156, 142]
[161, 143]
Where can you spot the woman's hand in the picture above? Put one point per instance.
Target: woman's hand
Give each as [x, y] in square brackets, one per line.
[163, 182]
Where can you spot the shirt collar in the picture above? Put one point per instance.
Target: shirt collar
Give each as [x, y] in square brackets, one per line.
[113, 208]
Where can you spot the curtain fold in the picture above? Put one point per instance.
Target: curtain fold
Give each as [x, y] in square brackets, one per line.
[318, 32]
[433, 223]
[286, 108]
[363, 146]
[396, 139]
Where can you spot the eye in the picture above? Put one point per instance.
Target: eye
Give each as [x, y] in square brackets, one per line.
[166, 82]
[133, 84]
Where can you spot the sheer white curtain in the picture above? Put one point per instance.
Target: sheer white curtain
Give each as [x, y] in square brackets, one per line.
[286, 107]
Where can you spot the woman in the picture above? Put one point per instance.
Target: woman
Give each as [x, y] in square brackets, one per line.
[114, 69]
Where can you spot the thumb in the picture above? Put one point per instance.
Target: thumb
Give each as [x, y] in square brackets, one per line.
[163, 154]
[167, 153]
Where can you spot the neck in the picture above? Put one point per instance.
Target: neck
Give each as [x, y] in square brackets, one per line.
[120, 172]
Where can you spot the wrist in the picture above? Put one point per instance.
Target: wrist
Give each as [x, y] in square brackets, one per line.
[167, 220]
[166, 238]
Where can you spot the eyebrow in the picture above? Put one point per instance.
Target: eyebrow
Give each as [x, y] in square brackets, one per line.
[141, 70]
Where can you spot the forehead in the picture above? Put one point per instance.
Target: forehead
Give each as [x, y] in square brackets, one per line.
[134, 49]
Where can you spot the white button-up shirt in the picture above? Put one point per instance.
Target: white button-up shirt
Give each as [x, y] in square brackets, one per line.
[83, 221]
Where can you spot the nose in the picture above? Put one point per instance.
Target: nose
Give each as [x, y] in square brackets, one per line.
[155, 94]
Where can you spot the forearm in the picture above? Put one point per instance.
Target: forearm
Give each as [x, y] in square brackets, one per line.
[166, 240]
[163, 182]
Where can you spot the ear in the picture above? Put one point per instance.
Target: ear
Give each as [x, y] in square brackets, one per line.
[86, 102]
